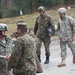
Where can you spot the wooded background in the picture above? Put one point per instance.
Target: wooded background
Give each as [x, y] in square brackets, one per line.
[11, 8]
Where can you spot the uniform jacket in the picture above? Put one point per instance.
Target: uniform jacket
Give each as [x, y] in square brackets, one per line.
[23, 56]
[5, 48]
[41, 24]
[66, 28]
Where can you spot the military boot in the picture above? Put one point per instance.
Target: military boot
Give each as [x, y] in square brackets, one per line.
[74, 59]
[39, 58]
[62, 63]
[47, 60]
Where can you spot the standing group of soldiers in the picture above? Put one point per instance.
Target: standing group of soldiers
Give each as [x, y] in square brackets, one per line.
[22, 54]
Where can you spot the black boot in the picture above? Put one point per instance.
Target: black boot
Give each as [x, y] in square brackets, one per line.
[47, 60]
[39, 57]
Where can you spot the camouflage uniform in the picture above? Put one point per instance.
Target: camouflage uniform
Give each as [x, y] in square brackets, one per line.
[39, 68]
[22, 59]
[5, 49]
[31, 33]
[39, 30]
[66, 32]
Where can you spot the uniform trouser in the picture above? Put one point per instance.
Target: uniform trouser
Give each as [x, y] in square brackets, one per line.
[39, 68]
[46, 41]
[63, 47]
[26, 73]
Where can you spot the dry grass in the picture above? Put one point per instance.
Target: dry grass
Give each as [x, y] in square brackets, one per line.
[30, 19]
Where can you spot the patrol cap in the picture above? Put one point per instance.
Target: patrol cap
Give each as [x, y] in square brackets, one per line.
[21, 25]
[41, 8]
[21, 22]
[3, 27]
[62, 10]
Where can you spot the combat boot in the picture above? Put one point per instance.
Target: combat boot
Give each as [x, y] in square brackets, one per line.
[62, 63]
[74, 59]
[47, 60]
[39, 58]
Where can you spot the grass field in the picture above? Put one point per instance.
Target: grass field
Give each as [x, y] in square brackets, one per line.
[30, 19]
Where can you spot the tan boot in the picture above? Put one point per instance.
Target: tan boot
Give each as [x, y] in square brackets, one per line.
[74, 59]
[62, 63]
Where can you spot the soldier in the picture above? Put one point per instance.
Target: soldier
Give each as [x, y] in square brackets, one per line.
[66, 33]
[43, 22]
[22, 59]
[6, 47]
[14, 37]
[39, 68]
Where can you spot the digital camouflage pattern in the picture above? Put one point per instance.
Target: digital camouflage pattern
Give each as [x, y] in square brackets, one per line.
[22, 59]
[66, 32]
[66, 28]
[46, 41]
[37, 45]
[39, 30]
[38, 65]
[31, 33]
[5, 49]
[41, 24]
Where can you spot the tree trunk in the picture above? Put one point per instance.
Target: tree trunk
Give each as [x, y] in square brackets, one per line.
[33, 5]
[0, 10]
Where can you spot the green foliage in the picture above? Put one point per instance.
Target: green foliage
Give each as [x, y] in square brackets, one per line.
[23, 5]
[29, 6]
[13, 12]
[0, 11]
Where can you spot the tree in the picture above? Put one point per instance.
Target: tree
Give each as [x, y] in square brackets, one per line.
[33, 5]
[0, 10]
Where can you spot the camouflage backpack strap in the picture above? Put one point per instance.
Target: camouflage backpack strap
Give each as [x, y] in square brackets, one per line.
[23, 47]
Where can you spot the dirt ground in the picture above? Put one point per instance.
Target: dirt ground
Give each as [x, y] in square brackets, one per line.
[51, 68]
